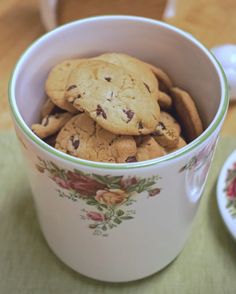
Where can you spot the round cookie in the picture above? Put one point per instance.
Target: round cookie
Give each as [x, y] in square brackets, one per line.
[168, 120]
[114, 97]
[84, 138]
[166, 136]
[187, 114]
[167, 131]
[149, 149]
[51, 124]
[181, 144]
[56, 82]
[135, 66]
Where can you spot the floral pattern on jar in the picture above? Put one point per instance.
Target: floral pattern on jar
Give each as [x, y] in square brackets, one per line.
[230, 190]
[108, 198]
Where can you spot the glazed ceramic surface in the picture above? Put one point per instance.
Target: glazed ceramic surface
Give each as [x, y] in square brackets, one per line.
[118, 222]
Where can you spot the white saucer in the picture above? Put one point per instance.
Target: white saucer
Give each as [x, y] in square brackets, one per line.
[225, 202]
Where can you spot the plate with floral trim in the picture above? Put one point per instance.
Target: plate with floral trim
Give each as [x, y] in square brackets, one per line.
[226, 193]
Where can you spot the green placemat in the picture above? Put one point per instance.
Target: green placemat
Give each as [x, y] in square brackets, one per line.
[206, 265]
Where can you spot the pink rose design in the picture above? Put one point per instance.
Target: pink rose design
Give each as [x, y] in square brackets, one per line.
[61, 182]
[83, 184]
[127, 182]
[231, 190]
[96, 216]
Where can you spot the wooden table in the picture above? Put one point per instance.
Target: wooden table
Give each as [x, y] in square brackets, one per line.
[20, 25]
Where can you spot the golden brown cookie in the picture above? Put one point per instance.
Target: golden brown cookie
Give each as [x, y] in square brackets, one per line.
[166, 133]
[51, 124]
[56, 82]
[114, 97]
[135, 66]
[187, 114]
[181, 144]
[84, 138]
[168, 120]
[149, 149]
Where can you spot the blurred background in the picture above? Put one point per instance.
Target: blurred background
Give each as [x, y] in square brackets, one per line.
[213, 22]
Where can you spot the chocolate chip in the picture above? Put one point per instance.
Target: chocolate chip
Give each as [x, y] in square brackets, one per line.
[78, 96]
[129, 114]
[100, 111]
[147, 87]
[45, 120]
[75, 142]
[71, 87]
[140, 125]
[131, 159]
[107, 79]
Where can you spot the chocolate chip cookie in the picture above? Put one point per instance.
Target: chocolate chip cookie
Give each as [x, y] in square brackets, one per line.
[168, 120]
[149, 149]
[82, 137]
[51, 124]
[135, 66]
[115, 98]
[180, 144]
[168, 131]
[56, 82]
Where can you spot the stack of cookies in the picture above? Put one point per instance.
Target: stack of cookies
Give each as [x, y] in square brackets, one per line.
[115, 108]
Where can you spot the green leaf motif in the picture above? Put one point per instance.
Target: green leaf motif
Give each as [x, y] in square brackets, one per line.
[91, 202]
[117, 221]
[120, 212]
[228, 204]
[126, 217]
[108, 180]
